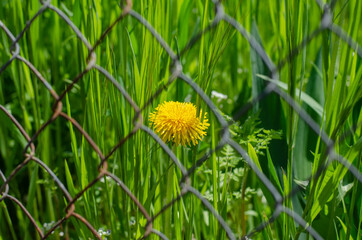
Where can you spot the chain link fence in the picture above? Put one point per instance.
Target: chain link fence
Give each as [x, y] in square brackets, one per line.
[326, 24]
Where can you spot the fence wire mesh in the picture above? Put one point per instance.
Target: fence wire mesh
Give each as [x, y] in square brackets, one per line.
[185, 183]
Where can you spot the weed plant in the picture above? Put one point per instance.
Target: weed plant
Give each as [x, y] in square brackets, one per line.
[324, 78]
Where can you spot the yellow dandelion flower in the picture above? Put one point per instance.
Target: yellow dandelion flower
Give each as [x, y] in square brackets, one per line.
[177, 122]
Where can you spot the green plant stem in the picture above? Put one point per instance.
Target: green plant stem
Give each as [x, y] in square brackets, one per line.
[353, 199]
[8, 220]
[215, 177]
[169, 195]
[245, 178]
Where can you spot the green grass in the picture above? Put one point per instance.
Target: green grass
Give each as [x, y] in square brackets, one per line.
[324, 78]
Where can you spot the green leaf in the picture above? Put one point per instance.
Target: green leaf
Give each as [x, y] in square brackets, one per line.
[253, 156]
[68, 178]
[344, 228]
[324, 193]
[272, 171]
[313, 104]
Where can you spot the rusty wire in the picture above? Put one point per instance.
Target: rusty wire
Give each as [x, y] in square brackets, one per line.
[176, 74]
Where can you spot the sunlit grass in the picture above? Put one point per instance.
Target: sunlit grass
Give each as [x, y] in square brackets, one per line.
[324, 78]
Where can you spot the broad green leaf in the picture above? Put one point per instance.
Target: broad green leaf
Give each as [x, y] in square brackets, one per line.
[305, 138]
[313, 104]
[324, 193]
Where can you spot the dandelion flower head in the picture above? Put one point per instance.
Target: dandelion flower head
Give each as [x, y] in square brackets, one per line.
[179, 123]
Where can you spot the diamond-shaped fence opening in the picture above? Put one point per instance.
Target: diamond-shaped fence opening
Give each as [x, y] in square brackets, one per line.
[104, 175]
